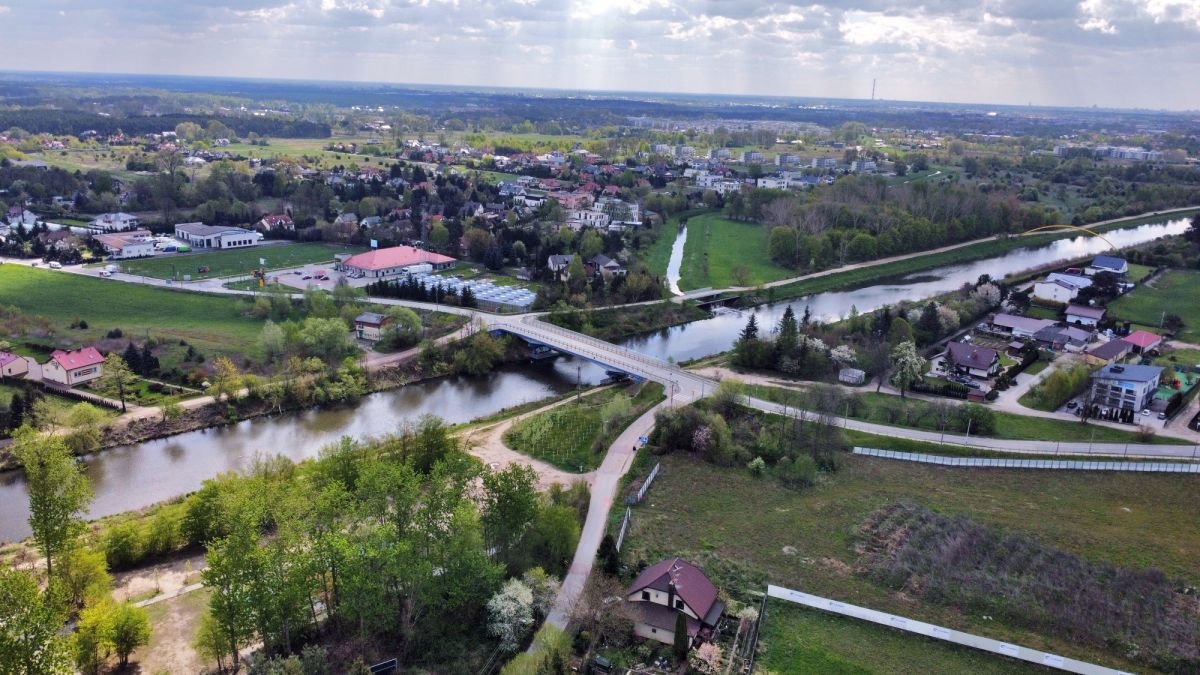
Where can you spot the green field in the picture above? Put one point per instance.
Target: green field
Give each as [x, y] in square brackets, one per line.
[235, 261]
[658, 256]
[1176, 292]
[736, 527]
[208, 321]
[721, 253]
[1008, 425]
[575, 436]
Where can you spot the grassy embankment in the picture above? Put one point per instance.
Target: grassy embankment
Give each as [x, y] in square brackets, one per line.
[746, 531]
[971, 252]
[875, 407]
[721, 253]
[575, 436]
[209, 322]
[235, 261]
[1176, 292]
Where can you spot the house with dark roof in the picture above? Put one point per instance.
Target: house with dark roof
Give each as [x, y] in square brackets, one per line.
[1131, 388]
[370, 325]
[1107, 263]
[558, 264]
[667, 589]
[1084, 315]
[1059, 337]
[972, 360]
[1018, 326]
[1110, 351]
[604, 266]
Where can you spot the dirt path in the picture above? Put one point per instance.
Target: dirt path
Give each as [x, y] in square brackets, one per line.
[167, 578]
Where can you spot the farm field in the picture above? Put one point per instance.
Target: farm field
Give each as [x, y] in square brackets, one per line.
[721, 253]
[231, 262]
[208, 321]
[746, 531]
[1175, 292]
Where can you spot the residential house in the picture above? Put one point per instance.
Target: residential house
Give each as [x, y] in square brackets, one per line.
[1143, 340]
[21, 216]
[1107, 263]
[391, 261]
[824, 163]
[114, 222]
[123, 245]
[1119, 387]
[579, 219]
[559, 264]
[605, 266]
[1060, 288]
[1065, 338]
[370, 221]
[370, 326]
[276, 222]
[969, 359]
[772, 183]
[346, 218]
[667, 589]
[73, 368]
[1084, 315]
[752, 156]
[862, 165]
[12, 365]
[1018, 326]
[1113, 350]
[199, 235]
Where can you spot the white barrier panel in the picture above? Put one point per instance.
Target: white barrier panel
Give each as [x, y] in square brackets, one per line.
[1056, 464]
[940, 633]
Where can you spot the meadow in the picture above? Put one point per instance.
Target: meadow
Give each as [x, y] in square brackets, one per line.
[230, 262]
[1176, 292]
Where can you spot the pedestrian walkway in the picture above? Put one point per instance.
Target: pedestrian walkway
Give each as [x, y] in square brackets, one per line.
[1014, 463]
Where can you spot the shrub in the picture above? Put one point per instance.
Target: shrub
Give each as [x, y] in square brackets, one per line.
[124, 544]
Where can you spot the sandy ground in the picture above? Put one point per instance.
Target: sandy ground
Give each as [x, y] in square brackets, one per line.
[162, 579]
[175, 624]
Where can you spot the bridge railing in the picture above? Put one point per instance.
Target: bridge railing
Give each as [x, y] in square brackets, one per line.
[601, 344]
[604, 357]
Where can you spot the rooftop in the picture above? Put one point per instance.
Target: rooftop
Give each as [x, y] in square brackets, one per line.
[1086, 312]
[202, 230]
[970, 356]
[1142, 339]
[1128, 373]
[689, 582]
[396, 256]
[88, 356]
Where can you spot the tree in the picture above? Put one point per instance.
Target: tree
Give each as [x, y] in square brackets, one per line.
[171, 409]
[789, 333]
[83, 576]
[230, 574]
[610, 557]
[130, 630]
[93, 636]
[59, 493]
[404, 329]
[554, 536]
[510, 505]
[900, 331]
[30, 621]
[439, 236]
[227, 379]
[510, 614]
[83, 422]
[270, 340]
[118, 375]
[682, 640]
[907, 365]
[327, 339]
[750, 332]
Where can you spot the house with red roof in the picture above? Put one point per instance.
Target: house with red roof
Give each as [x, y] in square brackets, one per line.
[73, 368]
[667, 589]
[1143, 340]
[387, 262]
[12, 365]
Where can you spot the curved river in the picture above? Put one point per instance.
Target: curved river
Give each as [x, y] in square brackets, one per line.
[135, 476]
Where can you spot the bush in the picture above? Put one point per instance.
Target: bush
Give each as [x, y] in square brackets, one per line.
[124, 544]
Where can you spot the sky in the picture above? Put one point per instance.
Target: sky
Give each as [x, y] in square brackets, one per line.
[1117, 53]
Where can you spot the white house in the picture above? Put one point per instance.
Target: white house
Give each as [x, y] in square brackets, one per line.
[200, 235]
[114, 222]
[670, 588]
[122, 245]
[1084, 315]
[1119, 387]
[1062, 288]
[1107, 263]
[73, 368]
[578, 219]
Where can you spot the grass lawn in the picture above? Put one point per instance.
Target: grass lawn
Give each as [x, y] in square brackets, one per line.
[1008, 425]
[1037, 367]
[1037, 312]
[1175, 292]
[736, 527]
[208, 321]
[658, 256]
[797, 639]
[721, 253]
[234, 261]
[1138, 272]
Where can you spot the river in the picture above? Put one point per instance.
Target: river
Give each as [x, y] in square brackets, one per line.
[135, 476]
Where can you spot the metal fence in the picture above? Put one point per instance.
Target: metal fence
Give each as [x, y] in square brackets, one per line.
[641, 493]
[624, 528]
[939, 633]
[1054, 464]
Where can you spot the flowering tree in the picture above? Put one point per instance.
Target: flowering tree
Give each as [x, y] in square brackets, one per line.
[707, 659]
[510, 614]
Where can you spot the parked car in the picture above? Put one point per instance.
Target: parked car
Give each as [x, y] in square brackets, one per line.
[306, 277]
[1162, 415]
[1071, 405]
[55, 265]
[105, 273]
[971, 384]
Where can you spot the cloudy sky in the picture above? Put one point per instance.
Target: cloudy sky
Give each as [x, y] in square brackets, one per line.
[1124, 53]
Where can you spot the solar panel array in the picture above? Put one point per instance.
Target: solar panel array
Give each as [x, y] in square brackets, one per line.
[484, 291]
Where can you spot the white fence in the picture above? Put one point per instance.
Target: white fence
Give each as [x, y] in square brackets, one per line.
[641, 493]
[939, 633]
[1056, 464]
[624, 528]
